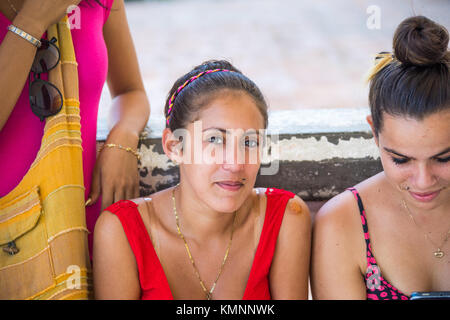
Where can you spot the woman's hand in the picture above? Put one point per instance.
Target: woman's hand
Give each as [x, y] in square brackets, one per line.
[39, 15]
[115, 176]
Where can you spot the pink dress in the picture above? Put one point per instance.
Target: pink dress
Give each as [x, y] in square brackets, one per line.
[21, 136]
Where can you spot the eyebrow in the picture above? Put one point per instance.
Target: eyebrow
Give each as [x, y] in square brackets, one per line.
[214, 128]
[249, 131]
[401, 155]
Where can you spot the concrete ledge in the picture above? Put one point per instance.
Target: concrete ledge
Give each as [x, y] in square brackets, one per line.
[319, 155]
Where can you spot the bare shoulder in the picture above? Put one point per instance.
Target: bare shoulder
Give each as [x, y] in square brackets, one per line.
[337, 226]
[109, 230]
[110, 241]
[296, 221]
[296, 212]
[342, 210]
[297, 207]
[338, 211]
[108, 225]
[110, 234]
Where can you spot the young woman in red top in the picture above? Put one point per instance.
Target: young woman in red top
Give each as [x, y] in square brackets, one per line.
[213, 236]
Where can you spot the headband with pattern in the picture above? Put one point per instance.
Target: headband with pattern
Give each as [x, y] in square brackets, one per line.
[175, 94]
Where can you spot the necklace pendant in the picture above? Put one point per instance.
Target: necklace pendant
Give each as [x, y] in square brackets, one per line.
[439, 254]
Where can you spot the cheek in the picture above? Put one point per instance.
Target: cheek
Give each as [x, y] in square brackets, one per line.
[443, 172]
[199, 175]
[251, 172]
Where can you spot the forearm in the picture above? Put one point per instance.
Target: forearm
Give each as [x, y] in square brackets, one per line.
[16, 58]
[128, 116]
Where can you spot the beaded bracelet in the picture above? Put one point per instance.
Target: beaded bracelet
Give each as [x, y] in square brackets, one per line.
[128, 149]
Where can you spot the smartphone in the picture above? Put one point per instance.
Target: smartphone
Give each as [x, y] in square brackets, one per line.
[434, 295]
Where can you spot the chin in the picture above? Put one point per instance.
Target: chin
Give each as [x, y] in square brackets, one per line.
[225, 206]
[223, 202]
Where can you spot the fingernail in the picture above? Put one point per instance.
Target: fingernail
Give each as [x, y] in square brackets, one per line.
[89, 200]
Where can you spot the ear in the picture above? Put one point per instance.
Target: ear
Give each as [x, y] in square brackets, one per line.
[369, 120]
[172, 146]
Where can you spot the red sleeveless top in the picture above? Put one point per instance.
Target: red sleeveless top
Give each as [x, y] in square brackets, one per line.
[153, 281]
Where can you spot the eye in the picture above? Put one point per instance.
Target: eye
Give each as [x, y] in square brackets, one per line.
[399, 161]
[215, 139]
[443, 160]
[251, 143]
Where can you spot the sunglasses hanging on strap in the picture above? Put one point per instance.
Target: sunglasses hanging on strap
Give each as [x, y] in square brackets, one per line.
[45, 98]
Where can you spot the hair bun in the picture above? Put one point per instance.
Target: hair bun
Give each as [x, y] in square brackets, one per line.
[420, 41]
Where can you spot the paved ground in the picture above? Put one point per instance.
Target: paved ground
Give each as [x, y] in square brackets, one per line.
[303, 54]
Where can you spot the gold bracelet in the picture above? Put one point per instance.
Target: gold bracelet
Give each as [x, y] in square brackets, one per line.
[128, 149]
[35, 42]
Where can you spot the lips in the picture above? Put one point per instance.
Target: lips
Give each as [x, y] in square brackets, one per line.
[424, 197]
[230, 185]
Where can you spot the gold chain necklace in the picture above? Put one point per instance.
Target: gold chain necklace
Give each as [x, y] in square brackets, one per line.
[438, 253]
[12, 7]
[202, 284]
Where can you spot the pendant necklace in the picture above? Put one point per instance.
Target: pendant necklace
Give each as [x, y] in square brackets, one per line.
[438, 253]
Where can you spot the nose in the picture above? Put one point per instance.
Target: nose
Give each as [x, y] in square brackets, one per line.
[234, 158]
[424, 178]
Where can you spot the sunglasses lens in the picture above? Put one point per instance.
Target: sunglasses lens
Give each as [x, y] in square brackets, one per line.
[45, 99]
[47, 57]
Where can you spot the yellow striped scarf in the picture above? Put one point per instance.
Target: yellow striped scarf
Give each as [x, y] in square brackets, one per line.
[43, 232]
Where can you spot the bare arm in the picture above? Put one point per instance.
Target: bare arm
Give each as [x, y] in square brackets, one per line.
[17, 54]
[116, 174]
[16, 58]
[338, 245]
[130, 109]
[114, 265]
[290, 266]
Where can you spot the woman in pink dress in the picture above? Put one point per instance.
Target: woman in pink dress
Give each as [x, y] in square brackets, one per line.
[105, 52]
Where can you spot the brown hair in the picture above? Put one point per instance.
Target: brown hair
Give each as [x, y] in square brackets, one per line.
[416, 83]
[196, 95]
